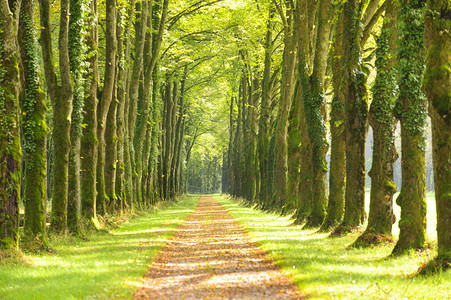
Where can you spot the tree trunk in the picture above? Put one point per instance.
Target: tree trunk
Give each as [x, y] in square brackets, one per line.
[35, 132]
[238, 150]
[381, 216]
[61, 97]
[89, 139]
[135, 76]
[230, 152]
[411, 110]
[122, 80]
[294, 154]
[287, 89]
[76, 56]
[356, 110]
[111, 139]
[167, 139]
[252, 147]
[10, 150]
[263, 122]
[315, 118]
[337, 175]
[105, 101]
[437, 86]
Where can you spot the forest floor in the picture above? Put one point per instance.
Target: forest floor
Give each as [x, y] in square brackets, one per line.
[211, 256]
[111, 263]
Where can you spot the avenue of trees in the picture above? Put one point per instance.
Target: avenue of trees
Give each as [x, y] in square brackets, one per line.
[352, 64]
[91, 123]
[109, 106]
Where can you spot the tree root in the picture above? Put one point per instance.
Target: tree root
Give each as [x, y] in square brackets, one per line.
[369, 239]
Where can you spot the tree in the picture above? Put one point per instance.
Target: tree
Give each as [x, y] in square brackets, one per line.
[286, 95]
[34, 130]
[437, 87]
[356, 109]
[76, 57]
[264, 116]
[337, 174]
[122, 81]
[381, 216]
[61, 95]
[89, 139]
[312, 64]
[410, 109]
[10, 150]
[105, 101]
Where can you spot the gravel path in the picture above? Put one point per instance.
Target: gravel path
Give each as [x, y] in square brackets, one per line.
[211, 257]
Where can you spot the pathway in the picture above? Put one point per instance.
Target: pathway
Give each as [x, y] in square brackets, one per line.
[211, 256]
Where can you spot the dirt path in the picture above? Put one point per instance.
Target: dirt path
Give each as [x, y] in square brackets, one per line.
[210, 256]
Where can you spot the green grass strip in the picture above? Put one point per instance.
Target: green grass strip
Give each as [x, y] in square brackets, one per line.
[323, 268]
[108, 266]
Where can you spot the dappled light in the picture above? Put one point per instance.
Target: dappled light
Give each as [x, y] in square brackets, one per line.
[317, 131]
[211, 256]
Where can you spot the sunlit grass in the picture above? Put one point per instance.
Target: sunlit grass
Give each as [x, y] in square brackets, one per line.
[109, 265]
[324, 268]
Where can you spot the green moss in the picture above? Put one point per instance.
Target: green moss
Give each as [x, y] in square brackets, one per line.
[10, 148]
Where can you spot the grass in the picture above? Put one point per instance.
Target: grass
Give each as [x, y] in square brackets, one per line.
[431, 215]
[108, 265]
[324, 268]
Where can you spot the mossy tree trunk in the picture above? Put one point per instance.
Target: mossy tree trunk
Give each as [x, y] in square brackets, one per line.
[154, 145]
[122, 79]
[35, 132]
[252, 150]
[89, 139]
[313, 91]
[230, 150]
[133, 93]
[237, 153]
[172, 130]
[381, 216]
[287, 90]
[304, 203]
[356, 110]
[105, 101]
[263, 122]
[10, 149]
[337, 175]
[61, 97]
[167, 137]
[76, 57]
[437, 86]
[180, 131]
[143, 110]
[410, 108]
[111, 158]
[294, 154]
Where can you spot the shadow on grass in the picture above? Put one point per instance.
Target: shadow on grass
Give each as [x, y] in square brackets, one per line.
[109, 265]
[327, 268]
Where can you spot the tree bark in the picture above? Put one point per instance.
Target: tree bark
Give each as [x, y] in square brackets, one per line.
[76, 57]
[294, 155]
[10, 149]
[61, 97]
[122, 80]
[263, 122]
[287, 89]
[337, 175]
[381, 216]
[89, 139]
[105, 101]
[410, 109]
[356, 110]
[437, 87]
[35, 131]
